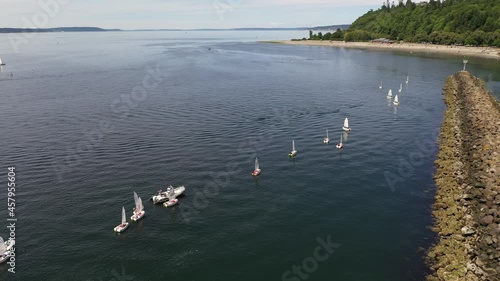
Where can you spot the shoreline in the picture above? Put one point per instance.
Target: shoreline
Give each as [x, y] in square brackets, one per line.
[467, 200]
[462, 51]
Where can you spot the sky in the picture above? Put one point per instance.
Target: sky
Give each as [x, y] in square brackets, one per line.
[183, 14]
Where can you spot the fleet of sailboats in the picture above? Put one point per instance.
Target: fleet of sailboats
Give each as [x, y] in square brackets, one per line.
[172, 193]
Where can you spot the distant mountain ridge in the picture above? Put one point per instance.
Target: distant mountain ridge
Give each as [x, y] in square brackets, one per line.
[97, 29]
[55, 29]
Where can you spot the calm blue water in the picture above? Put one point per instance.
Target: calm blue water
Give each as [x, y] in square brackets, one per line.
[84, 134]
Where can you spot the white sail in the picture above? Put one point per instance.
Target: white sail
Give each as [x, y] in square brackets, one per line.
[136, 201]
[380, 87]
[407, 79]
[124, 219]
[3, 248]
[346, 123]
[390, 93]
[400, 87]
[141, 207]
[327, 133]
[396, 100]
[341, 138]
[256, 163]
[293, 145]
[0, 60]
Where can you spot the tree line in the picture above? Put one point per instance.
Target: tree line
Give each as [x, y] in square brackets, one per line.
[448, 22]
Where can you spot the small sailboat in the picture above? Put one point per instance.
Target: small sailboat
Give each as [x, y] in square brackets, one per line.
[139, 209]
[123, 226]
[400, 87]
[257, 170]
[389, 94]
[1, 62]
[346, 126]
[293, 153]
[407, 79]
[340, 144]
[327, 139]
[396, 100]
[380, 87]
[171, 195]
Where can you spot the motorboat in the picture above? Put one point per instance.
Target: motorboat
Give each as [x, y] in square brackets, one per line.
[171, 202]
[162, 196]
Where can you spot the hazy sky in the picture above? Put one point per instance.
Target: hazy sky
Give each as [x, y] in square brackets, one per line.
[137, 14]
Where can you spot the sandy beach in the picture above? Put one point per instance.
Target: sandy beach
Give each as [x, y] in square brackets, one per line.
[462, 51]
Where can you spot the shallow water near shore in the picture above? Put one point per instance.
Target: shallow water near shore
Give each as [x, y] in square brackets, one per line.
[81, 145]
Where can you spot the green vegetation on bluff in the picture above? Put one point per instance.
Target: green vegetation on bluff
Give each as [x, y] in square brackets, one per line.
[448, 22]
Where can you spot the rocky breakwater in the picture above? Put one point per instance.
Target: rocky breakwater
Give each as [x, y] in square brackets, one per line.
[467, 207]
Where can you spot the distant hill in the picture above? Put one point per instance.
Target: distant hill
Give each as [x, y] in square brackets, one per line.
[462, 22]
[56, 29]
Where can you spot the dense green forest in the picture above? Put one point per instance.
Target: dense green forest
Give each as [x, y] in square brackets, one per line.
[448, 22]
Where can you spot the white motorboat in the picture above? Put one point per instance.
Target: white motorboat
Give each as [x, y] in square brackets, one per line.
[139, 208]
[6, 250]
[162, 196]
[389, 94]
[293, 153]
[340, 144]
[123, 226]
[327, 139]
[396, 100]
[257, 169]
[346, 126]
[171, 203]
